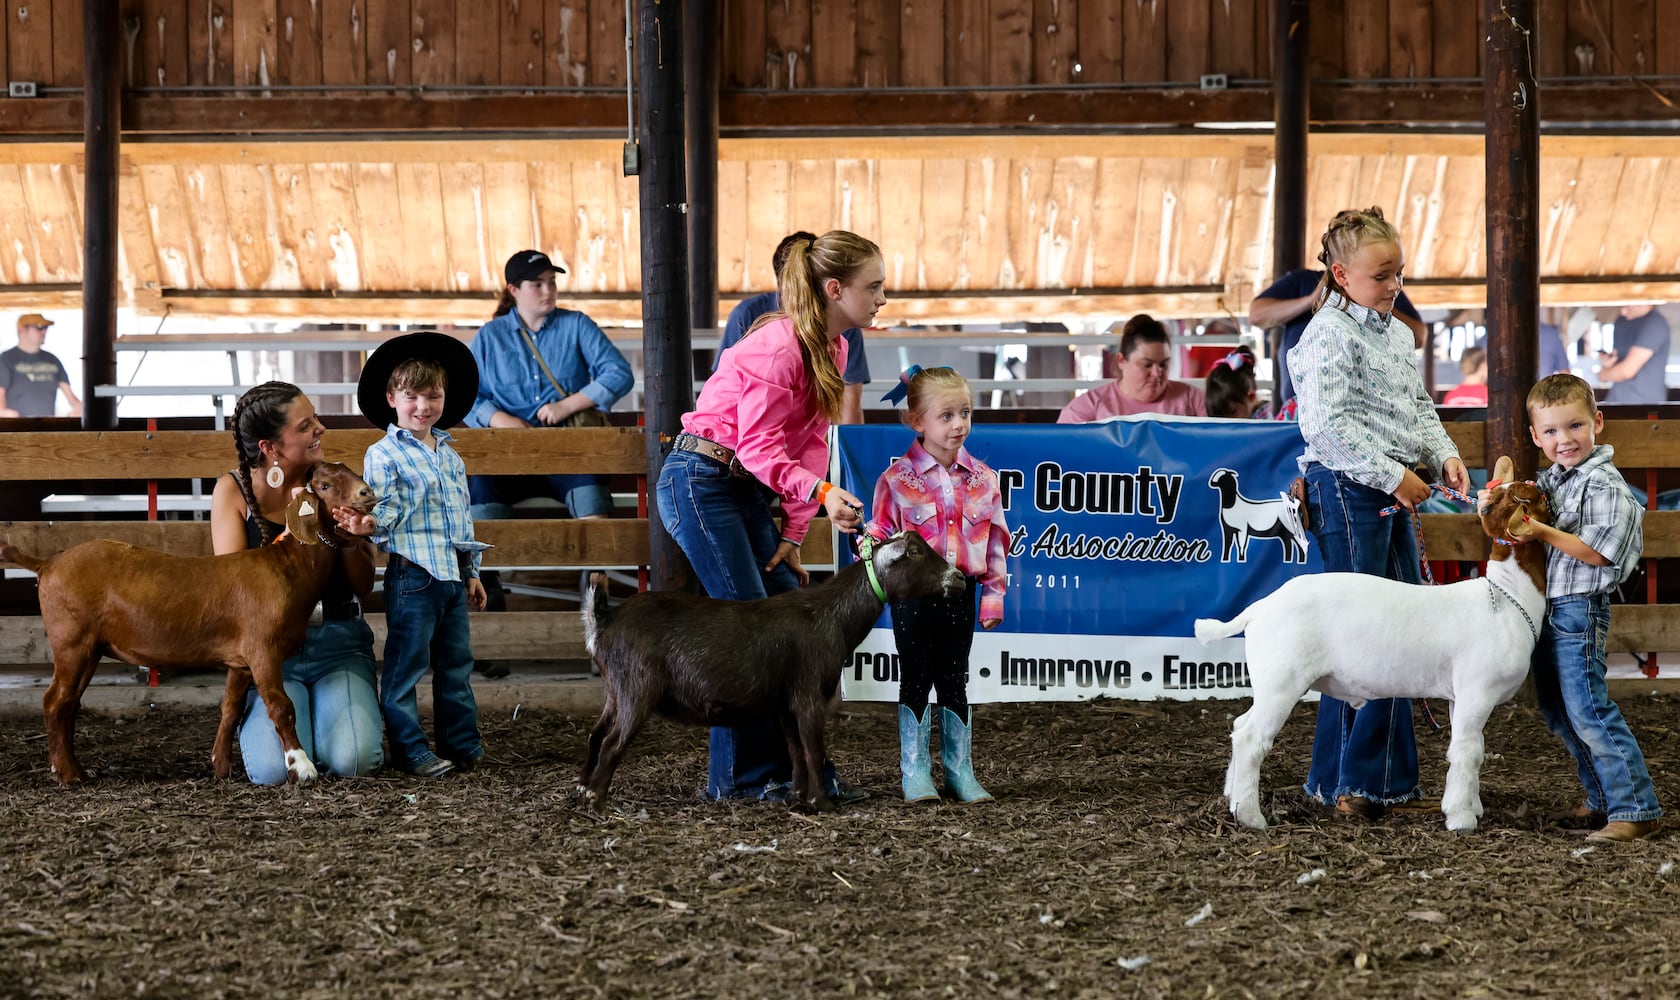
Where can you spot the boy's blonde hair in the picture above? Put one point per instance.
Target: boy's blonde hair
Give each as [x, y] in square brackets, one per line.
[931, 383]
[1561, 389]
[1350, 230]
[417, 375]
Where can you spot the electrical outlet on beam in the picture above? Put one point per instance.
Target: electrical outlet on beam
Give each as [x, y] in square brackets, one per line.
[20, 88]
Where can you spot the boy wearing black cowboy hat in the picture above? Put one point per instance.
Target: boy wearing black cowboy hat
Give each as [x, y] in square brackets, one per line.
[414, 386]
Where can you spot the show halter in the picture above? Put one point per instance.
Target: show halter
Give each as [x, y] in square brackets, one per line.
[866, 552]
[896, 394]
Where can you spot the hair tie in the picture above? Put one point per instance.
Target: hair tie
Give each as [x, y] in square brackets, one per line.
[1234, 361]
[897, 393]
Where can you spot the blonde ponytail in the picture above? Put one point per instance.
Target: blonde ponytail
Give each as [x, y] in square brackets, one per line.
[810, 263]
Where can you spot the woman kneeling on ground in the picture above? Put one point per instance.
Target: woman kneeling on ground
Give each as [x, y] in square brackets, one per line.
[330, 680]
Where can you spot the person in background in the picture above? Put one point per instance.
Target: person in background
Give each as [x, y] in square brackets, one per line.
[1231, 387]
[748, 310]
[1142, 385]
[759, 432]
[1368, 421]
[1637, 369]
[330, 681]
[1473, 390]
[30, 377]
[1289, 302]
[1554, 356]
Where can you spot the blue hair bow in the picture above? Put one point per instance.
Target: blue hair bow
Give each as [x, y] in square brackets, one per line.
[896, 394]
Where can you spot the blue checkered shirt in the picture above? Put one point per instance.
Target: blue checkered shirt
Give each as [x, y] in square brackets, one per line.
[1592, 501]
[422, 510]
[1362, 404]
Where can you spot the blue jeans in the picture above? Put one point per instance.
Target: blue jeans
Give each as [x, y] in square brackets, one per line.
[1372, 752]
[1569, 685]
[330, 683]
[724, 526]
[492, 497]
[426, 627]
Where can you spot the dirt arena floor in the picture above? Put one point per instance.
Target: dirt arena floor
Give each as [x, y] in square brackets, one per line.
[1107, 868]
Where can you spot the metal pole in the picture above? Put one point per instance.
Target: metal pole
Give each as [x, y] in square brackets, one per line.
[667, 356]
[101, 140]
[1512, 100]
[700, 70]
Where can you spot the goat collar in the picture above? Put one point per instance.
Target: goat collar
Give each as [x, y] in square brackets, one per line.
[866, 551]
[1494, 588]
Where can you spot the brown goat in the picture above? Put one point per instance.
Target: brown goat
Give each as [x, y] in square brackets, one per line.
[246, 610]
[721, 663]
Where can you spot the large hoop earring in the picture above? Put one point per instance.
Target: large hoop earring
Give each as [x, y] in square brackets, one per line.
[274, 477]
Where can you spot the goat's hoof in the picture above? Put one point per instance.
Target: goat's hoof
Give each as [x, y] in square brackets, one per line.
[302, 771]
[1462, 827]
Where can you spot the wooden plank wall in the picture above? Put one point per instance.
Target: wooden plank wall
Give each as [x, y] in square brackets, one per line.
[816, 43]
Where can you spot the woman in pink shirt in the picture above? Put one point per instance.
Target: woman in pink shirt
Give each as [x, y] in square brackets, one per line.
[758, 432]
[1143, 386]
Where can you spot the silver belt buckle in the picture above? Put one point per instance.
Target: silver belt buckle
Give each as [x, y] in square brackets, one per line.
[317, 615]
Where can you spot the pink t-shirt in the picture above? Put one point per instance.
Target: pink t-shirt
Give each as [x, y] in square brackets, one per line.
[759, 402]
[1108, 401]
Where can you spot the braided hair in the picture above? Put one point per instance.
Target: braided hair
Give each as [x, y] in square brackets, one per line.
[257, 417]
[1351, 229]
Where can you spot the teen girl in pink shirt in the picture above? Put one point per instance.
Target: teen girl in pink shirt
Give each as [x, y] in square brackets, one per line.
[759, 432]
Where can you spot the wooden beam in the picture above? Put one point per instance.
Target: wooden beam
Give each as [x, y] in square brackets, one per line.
[859, 112]
[107, 455]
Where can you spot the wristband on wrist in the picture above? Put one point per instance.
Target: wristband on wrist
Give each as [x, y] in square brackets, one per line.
[791, 541]
[822, 491]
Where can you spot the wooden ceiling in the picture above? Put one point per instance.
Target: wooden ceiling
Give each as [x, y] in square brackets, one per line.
[973, 229]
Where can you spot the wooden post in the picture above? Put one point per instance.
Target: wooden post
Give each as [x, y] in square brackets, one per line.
[101, 140]
[1290, 106]
[667, 355]
[700, 69]
[1512, 100]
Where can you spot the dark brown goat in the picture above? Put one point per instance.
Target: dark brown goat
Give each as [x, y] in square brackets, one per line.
[721, 663]
[246, 610]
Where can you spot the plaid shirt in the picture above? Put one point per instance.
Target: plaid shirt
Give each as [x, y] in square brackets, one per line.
[958, 510]
[1363, 408]
[422, 510]
[1592, 501]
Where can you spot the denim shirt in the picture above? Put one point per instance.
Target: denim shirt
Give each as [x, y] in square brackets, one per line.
[577, 352]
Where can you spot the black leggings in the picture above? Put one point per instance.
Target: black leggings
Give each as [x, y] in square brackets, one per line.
[934, 637]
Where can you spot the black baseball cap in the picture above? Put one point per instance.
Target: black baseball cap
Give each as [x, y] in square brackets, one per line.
[528, 265]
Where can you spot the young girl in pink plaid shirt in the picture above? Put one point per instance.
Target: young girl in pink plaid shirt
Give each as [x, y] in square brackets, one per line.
[941, 492]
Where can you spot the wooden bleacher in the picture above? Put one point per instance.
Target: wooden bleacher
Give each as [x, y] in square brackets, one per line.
[181, 454]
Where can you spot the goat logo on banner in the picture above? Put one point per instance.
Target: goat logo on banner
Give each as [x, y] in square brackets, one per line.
[1241, 519]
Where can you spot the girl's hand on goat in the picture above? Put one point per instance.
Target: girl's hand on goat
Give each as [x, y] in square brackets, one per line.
[788, 552]
[352, 522]
[1411, 491]
[476, 597]
[1456, 475]
[845, 510]
[990, 623]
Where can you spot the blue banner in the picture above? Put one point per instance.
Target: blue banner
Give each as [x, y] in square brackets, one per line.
[1127, 530]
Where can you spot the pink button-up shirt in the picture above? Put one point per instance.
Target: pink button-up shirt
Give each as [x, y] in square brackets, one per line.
[958, 510]
[760, 402]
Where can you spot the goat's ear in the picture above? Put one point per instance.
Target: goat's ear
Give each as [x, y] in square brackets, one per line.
[1517, 525]
[303, 517]
[1504, 470]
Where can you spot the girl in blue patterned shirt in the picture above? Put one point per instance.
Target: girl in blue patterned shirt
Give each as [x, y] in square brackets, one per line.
[1367, 421]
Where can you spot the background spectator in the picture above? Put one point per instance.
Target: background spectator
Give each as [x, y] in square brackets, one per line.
[31, 377]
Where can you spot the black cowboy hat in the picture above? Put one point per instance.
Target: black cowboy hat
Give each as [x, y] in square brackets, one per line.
[452, 354]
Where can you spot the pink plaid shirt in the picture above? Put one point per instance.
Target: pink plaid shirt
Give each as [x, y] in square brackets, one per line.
[958, 510]
[760, 403]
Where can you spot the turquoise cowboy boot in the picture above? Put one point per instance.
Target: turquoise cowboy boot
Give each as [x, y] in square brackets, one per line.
[956, 741]
[913, 757]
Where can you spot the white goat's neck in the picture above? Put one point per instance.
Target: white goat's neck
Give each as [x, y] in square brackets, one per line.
[1520, 569]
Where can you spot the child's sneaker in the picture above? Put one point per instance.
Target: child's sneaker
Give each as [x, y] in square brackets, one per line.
[430, 766]
[463, 763]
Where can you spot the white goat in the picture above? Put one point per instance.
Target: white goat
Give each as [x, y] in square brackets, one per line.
[1359, 638]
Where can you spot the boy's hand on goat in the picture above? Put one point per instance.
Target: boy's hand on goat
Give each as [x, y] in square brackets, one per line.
[1411, 491]
[788, 552]
[1456, 475]
[476, 596]
[352, 522]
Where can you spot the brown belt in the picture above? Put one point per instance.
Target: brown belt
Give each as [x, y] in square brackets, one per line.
[711, 449]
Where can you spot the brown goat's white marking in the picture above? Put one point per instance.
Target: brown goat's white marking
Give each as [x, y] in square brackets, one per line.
[298, 763]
